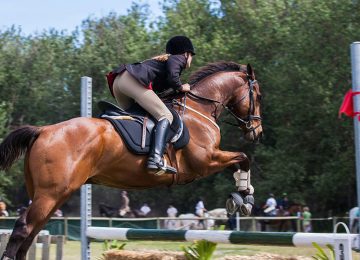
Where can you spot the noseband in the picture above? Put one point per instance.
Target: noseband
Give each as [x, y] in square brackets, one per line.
[247, 121]
[250, 117]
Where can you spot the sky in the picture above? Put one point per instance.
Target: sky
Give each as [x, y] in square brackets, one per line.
[39, 15]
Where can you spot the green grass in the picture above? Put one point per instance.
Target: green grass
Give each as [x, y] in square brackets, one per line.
[72, 249]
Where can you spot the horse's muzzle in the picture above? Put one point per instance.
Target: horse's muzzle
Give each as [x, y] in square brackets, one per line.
[254, 136]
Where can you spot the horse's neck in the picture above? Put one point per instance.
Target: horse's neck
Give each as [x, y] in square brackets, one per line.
[220, 90]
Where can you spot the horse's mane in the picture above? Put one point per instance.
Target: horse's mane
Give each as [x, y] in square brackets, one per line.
[212, 68]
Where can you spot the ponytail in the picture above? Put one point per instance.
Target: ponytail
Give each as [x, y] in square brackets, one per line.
[161, 57]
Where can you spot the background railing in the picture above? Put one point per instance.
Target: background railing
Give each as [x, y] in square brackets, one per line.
[70, 226]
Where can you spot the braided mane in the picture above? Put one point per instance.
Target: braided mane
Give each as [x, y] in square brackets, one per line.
[212, 68]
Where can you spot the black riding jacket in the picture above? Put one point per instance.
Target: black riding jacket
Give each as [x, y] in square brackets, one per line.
[156, 75]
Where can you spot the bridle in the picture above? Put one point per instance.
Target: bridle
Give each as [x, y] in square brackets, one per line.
[247, 121]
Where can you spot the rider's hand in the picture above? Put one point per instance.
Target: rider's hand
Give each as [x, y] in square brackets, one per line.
[185, 87]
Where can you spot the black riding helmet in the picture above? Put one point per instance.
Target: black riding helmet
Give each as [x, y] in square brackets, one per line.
[178, 45]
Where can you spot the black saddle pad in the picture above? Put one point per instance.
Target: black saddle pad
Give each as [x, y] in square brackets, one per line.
[129, 125]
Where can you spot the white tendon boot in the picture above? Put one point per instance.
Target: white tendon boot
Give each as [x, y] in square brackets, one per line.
[242, 182]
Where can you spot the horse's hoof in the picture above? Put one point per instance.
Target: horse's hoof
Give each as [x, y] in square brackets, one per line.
[231, 207]
[246, 209]
[233, 203]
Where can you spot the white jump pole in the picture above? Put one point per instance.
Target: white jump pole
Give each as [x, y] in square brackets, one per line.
[85, 208]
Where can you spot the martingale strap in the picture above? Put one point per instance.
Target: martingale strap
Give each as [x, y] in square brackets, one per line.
[197, 112]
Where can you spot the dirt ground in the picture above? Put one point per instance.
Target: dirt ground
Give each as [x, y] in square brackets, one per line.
[170, 255]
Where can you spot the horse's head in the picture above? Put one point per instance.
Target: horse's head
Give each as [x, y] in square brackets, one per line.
[240, 95]
[245, 105]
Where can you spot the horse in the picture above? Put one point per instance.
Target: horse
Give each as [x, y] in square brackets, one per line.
[112, 212]
[221, 215]
[189, 220]
[281, 225]
[59, 158]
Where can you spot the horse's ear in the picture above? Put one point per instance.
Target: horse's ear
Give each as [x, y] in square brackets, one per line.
[250, 72]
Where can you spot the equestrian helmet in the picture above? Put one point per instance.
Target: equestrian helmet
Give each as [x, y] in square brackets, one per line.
[179, 45]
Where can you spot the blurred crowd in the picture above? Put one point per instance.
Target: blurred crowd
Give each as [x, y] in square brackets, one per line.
[271, 208]
[284, 207]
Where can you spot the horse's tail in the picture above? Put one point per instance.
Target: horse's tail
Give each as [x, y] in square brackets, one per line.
[16, 144]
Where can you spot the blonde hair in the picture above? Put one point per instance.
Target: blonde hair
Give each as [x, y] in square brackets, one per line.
[162, 57]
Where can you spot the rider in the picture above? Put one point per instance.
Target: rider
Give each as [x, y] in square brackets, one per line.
[270, 205]
[142, 81]
[284, 204]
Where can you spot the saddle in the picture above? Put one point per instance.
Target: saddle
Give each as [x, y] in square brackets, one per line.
[135, 126]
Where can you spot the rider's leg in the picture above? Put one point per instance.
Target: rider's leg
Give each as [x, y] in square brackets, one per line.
[123, 100]
[153, 104]
[158, 142]
[148, 100]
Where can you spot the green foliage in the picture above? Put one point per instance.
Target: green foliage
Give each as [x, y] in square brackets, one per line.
[3, 130]
[3, 117]
[321, 255]
[114, 244]
[199, 250]
[111, 245]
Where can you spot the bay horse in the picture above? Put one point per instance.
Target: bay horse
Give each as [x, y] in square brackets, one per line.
[282, 225]
[60, 158]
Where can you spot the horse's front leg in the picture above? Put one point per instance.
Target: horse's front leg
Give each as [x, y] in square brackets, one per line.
[240, 164]
[233, 160]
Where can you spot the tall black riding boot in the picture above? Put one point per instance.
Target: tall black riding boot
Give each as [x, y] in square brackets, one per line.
[155, 161]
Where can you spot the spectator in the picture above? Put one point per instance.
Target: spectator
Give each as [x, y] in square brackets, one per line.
[284, 205]
[171, 213]
[125, 201]
[145, 209]
[200, 211]
[270, 206]
[3, 211]
[200, 208]
[306, 216]
[231, 222]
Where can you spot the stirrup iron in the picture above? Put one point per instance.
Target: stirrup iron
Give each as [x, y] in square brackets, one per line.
[165, 169]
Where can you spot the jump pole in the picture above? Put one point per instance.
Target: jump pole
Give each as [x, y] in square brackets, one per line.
[85, 197]
[219, 236]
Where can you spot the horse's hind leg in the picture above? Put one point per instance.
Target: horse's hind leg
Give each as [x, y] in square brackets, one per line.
[40, 212]
[28, 226]
[17, 237]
